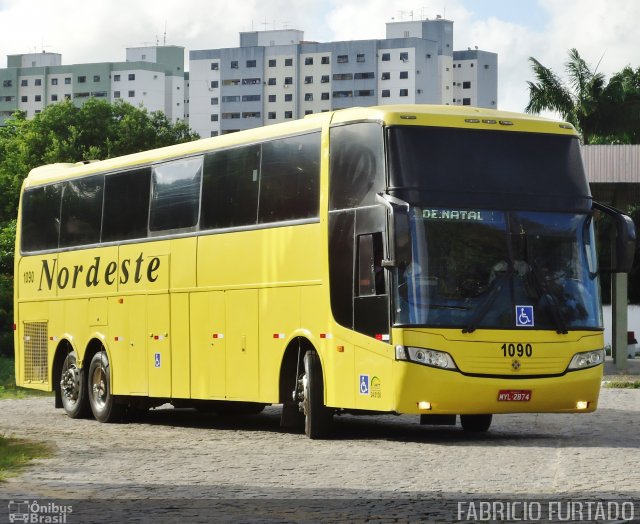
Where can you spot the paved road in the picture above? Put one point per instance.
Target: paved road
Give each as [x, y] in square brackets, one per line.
[382, 468]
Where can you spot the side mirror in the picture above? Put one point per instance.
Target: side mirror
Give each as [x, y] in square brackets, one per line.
[624, 244]
[399, 238]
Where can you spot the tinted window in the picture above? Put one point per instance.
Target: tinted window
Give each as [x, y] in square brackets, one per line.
[230, 188]
[290, 179]
[41, 218]
[81, 211]
[175, 195]
[357, 165]
[126, 205]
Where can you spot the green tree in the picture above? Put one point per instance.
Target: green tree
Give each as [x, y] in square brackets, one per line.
[603, 112]
[65, 133]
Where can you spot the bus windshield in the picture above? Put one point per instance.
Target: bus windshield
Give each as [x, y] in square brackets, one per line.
[499, 269]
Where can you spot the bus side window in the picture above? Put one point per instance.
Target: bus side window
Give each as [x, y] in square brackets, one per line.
[126, 205]
[290, 179]
[370, 272]
[230, 188]
[81, 216]
[41, 218]
[357, 165]
[175, 195]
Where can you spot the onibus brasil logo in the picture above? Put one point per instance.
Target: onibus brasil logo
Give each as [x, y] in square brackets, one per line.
[37, 512]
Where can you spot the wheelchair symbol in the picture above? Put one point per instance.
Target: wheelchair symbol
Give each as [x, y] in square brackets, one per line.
[524, 316]
[364, 384]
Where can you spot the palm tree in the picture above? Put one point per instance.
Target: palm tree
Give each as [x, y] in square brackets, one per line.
[581, 103]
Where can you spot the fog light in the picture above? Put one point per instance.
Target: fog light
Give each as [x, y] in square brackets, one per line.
[582, 404]
[423, 404]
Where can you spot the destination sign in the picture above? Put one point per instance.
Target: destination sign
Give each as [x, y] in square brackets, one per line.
[462, 215]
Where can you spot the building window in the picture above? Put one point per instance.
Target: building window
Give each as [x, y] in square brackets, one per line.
[250, 81]
[271, 81]
[132, 76]
[251, 114]
[308, 112]
[386, 93]
[386, 57]
[271, 115]
[132, 93]
[231, 82]
[214, 117]
[251, 63]
[116, 78]
[466, 101]
[404, 75]
[38, 98]
[404, 92]
[308, 97]
[213, 133]
[234, 64]
[251, 98]
[67, 96]
[466, 85]
[288, 114]
[308, 60]
[96, 78]
[230, 98]
[324, 79]
[24, 83]
[54, 81]
[360, 57]
[324, 96]
[214, 84]
[54, 98]
[116, 94]
[82, 79]
[288, 80]
[385, 76]
[324, 60]
[308, 80]
[342, 94]
[38, 81]
[486, 66]
[288, 62]
[288, 98]
[363, 76]
[230, 116]
[404, 56]
[7, 83]
[272, 63]
[343, 59]
[272, 98]
[471, 65]
[214, 66]
[24, 99]
[364, 92]
[343, 76]
[215, 101]
[67, 80]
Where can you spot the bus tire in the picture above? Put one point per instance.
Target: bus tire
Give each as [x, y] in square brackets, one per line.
[103, 404]
[73, 390]
[475, 423]
[318, 419]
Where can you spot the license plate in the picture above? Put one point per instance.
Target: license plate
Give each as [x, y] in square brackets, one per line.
[514, 395]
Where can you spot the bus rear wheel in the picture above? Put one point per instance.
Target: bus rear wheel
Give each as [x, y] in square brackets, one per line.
[318, 420]
[73, 391]
[475, 423]
[103, 404]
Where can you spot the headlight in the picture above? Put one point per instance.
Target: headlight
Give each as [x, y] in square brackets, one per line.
[427, 357]
[588, 359]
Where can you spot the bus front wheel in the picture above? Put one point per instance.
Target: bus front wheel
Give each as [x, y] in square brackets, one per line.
[475, 423]
[318, 419]
[72, 387]
[103, 404]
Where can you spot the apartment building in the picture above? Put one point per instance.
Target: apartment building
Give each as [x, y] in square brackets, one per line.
[274, 76]
[152, 77]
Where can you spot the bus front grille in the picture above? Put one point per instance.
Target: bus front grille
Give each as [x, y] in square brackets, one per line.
[35, 351]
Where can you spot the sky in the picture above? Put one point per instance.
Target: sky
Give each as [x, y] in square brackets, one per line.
[605, 32]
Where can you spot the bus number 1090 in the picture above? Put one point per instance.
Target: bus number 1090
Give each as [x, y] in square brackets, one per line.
[519, 350]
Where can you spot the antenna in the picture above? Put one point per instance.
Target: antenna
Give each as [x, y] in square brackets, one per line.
[164, 42]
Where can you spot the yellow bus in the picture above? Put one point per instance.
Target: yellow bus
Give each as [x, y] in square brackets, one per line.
[425, 260]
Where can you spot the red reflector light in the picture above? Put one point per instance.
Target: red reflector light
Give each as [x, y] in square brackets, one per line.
[378, 337]
[15, 327]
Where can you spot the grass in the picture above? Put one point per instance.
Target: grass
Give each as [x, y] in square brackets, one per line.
[8, 388]
[15, 454]
[622, 384]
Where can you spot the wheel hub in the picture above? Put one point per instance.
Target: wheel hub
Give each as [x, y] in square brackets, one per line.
[70, 383]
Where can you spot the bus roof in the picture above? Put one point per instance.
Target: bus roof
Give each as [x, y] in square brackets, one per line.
[409, 114]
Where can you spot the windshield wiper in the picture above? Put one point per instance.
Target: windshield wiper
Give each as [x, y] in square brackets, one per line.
[494, 289]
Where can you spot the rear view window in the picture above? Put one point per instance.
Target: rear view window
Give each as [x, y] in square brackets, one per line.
[126, 205]
[41, 218]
